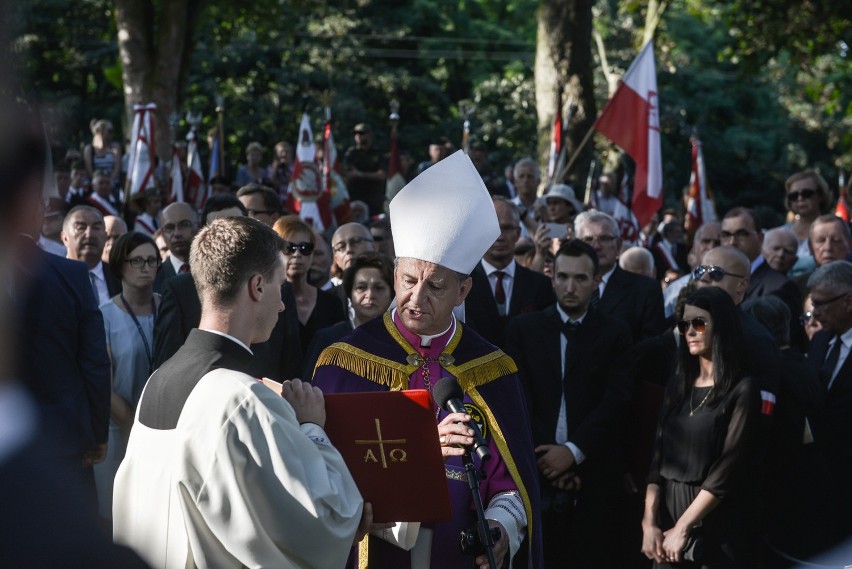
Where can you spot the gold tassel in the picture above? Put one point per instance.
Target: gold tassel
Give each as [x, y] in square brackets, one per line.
[366, 365]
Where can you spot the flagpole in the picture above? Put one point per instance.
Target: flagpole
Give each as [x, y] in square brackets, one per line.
[220, 134]
[576, 154]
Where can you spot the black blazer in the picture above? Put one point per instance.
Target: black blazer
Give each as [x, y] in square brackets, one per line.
[599, 383]
[166, 273]
[531, 292]
[62, 352]
[635, 299]
[279, 358]
[837, 412]
[113, 284]
[766, 280]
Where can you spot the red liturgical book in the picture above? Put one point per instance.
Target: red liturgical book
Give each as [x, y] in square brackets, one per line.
[389, 441]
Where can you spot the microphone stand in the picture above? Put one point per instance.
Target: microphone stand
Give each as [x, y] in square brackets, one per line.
[484, 530]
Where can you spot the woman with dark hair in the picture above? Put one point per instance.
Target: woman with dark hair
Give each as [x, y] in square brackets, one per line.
[700, 510]
[368, 283]
[129, 322]
[316, 309]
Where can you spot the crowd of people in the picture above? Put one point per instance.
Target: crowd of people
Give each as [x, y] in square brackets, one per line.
[683, 401]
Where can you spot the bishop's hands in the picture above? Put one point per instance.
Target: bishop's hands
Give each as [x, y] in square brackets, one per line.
[307, 401]
[454, 434]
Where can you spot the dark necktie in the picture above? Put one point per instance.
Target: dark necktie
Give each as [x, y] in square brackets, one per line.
[499, 291]
[94, 280]
[827, 367]
[569, 329]
[184, 268]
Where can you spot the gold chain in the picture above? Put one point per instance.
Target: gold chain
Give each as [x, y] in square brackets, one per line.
[691, 410]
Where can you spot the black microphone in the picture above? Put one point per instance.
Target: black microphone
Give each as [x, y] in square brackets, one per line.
[448, 395]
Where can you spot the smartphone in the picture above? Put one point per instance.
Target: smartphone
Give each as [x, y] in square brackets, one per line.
[556, 230]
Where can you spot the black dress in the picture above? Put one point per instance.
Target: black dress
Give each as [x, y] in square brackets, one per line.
[712, 449]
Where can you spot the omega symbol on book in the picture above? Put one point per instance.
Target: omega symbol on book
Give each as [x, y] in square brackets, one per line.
[395, 453]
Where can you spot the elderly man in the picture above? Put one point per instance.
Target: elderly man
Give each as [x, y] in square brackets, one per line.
[350, 240]
[527, 177]
[638, 260]
[636, 299]
[84, 236]
[501, 289]
[831, 292]
[830, 240]
[419, 342]
[706, 237]
[779, 249]
[179, 222]
[115, 228]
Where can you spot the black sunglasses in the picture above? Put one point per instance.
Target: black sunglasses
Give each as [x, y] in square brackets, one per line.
[804, 194]
[698, 324]
[715, 273]
[305, 248]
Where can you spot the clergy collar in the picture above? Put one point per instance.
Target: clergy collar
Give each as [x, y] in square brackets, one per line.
[228, 336]
[508, 269]
[565, 318]
[425, 339]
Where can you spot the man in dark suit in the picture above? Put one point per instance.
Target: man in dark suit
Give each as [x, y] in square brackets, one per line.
[280, 357]
[831, 293]
[577, 383]
[84, 236]
[501, 288]
[635, 299]
[741, 229]
[180, 223]
[62, 358]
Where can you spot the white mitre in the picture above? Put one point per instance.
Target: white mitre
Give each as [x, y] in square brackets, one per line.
[445, 216]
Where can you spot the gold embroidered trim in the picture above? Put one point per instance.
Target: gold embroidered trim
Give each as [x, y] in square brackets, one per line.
[369, 366]
[364, 553]
[500, 441]
[453, 474]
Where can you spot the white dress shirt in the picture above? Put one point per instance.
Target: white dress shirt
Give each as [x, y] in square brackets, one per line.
[562, 421]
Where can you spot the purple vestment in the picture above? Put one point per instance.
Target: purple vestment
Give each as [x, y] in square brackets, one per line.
[376, 357]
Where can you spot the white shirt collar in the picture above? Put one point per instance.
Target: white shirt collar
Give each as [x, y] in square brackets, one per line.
[606, 275]
[565, 318]
[756, 263]
[508, 270]
[99, 270]
[176, 263]
[228, 336]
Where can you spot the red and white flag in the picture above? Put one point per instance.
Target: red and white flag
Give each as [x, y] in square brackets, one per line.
[700, 208]
[307, 193]
[176, 179]
[842, 209]
[555, 139]
[631, 120]
[142, 150]
[196, 191]
[395, 180]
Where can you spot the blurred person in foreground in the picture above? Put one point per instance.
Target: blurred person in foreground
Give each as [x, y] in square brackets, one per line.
[220, 470]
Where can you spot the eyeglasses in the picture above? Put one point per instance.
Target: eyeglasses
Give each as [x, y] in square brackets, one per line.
[602, 239]
[819, 304]
[698, 324]
[139, 262]
[739, 235]
[352, 243]
[804, 194]
[170, 227]
[806, 318]
[305, 248]
[715, 273]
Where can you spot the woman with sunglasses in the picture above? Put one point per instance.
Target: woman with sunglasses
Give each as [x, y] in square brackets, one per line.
[316, 308]
[806, 197]
[700, 507]
[129, 319]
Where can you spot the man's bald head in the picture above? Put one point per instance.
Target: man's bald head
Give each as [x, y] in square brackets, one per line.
[736, 267]
[179, 222]
[779, 248]
[638, 260]
[349, 241]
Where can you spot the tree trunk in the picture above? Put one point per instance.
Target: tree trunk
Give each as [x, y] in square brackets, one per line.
[155, 47]
[563, 60]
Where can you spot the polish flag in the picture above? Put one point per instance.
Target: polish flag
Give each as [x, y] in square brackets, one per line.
[842, 209]
[631, 120]
[555, 139]
[307, 197]
[196, 191]
[176, 180]
[767, 402]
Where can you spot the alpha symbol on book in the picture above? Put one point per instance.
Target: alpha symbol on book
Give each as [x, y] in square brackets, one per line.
[395, 453]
